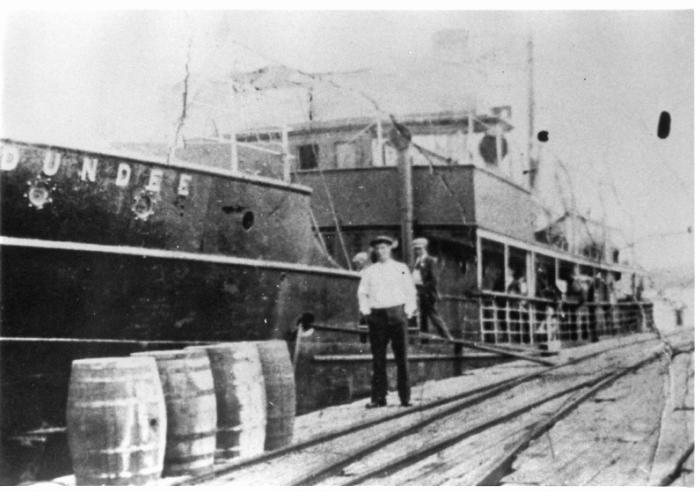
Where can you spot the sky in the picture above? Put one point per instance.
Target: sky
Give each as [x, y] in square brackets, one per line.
[601, 80]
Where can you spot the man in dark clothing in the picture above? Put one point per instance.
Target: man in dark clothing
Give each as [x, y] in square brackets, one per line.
[426, 281]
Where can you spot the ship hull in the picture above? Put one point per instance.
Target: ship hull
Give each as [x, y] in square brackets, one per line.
[102, 255]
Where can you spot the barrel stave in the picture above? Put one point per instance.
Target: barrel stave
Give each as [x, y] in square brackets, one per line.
[281, 393]
[240, 395]
[116, 421]
[188, 388]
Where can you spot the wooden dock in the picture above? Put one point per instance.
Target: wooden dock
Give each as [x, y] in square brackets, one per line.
[617, 412]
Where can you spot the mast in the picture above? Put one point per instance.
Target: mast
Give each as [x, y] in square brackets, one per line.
[400, 138]
[531, 109]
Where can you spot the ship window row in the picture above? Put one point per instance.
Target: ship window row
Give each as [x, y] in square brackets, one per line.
[455, 148]
[497, 267]
[517, 271]
[348, 151]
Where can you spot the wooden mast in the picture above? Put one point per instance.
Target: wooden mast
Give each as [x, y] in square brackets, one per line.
[400, 138]
[532, 165]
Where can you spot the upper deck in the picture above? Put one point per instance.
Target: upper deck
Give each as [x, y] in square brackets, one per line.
[454, 200]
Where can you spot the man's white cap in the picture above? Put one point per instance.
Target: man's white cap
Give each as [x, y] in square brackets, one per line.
[420, 243]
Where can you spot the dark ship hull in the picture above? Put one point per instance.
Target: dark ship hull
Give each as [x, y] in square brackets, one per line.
[104, 255]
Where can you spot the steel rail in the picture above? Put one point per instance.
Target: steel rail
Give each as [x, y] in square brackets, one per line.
[595, 385]
[479, 393]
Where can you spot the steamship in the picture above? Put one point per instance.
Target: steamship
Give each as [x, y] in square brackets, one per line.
[106, 253]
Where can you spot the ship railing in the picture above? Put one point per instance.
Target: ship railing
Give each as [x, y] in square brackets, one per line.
[514, 319]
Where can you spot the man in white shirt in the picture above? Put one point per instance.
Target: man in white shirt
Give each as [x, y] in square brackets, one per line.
[387, 299]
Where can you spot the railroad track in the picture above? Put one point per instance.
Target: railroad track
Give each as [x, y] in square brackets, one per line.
[320, 461]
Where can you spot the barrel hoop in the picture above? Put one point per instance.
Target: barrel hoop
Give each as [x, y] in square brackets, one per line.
[124, 449]
[230, 448]
[241, 427]
[188, 458]
[126, 475]
[82, 380]
[194, 435]
[113, 402]
[203, 367]
[176, 395]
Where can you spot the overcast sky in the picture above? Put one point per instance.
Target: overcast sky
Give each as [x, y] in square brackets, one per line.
[601, 81]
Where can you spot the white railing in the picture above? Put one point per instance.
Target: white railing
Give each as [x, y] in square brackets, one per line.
[511, 319]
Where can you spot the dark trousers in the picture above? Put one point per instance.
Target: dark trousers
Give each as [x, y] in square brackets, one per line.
[427, 302]
[389, 325]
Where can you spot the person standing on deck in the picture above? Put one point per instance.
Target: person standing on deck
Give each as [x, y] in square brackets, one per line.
[426, 281]
[387, 299]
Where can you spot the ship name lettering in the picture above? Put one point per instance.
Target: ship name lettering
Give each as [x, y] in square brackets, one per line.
[10, 158]
[123, 175]
[89, 170]
[183, 186]
[155, 180]
[52, 162]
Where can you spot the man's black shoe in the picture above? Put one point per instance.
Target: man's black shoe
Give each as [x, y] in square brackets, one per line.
[406, 403]
[375, 404]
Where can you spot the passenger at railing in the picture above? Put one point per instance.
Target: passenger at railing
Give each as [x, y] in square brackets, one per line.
[615, 319]
[492, 276]
[546, 288]
[596, 296]
[639, 289]
[549, 325]
[611, 289]
[518, 314]
[577, 289]
[517, 285]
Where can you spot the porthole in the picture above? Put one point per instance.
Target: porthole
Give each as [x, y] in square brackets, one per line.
[248, 220]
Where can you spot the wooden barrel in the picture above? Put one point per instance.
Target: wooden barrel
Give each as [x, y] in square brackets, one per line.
[240, 398]
[116, 421]
[190, 403]
[281, 393]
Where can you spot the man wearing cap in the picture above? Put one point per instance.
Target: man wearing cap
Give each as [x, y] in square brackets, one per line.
[387, 299]
[426, 281]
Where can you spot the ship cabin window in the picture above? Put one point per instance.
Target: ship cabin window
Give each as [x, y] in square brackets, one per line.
[624, 287]
[593, 250]
[492, 272]
[517, 272]
[638, 286]
[453, 145]
[586, 271]
[383, 155]
[329, 241]
[615, 255]
[566, 281]
[355, 240]
[345, 155]
[584, 280]
[456, 265]
[545, 278]
[613, 283]
[308, 156]
[599, 290]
